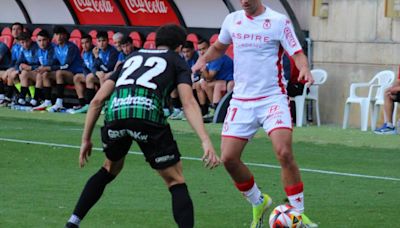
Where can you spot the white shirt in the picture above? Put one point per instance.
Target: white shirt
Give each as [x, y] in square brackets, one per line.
[259, 44]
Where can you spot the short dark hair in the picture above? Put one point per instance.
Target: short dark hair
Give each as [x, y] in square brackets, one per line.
[170, 35]
[204, 41]
[102, 34]
[86, 36]
[23, 36]
[44, 33]
[60, 30]
[188, 44]
[126, 40]
[18, 24]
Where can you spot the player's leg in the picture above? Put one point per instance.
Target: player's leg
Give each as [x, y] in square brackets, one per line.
[388, 106]
[45, 78]
[182, 205]
[115, 150]
[79, 80]
[219, 91]
[2, 86]
[91, 81]
[201, 95]
[161, 151]
[94, 189]
[24, 79]
[12, 76]
[239, 126]
[62, 77]
[278, 125]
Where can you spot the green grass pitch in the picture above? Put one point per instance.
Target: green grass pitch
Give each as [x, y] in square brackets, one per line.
[352, 178]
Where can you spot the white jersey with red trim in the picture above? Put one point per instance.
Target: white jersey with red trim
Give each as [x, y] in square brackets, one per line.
[259, 43]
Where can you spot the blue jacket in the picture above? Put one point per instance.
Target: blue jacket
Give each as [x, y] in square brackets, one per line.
[88, 62]
[106, 60]
[28, 56]
[15, 52]
[69, 57]
[47, 57]
[5, 56]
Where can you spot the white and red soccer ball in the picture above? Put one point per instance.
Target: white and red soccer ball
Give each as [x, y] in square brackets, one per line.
[285, 216]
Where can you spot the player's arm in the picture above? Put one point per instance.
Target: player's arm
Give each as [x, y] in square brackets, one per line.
[215, 51]
[93, 114]
[301, 62]
[193, 115]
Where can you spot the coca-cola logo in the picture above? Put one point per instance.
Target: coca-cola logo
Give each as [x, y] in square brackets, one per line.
[98, 6]
[147, 6]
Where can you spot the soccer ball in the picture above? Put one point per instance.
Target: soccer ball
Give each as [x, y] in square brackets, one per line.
[285, 216]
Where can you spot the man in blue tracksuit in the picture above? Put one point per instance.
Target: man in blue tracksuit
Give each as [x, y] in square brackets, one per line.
[11, 74]
[69, 58]
[106, 57]
[47, 68]
[26, 66]
[80, 79]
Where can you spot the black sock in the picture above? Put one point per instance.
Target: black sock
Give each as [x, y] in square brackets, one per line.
[60, 91]
[89, 95]
[182, 206]
[10, 91]
[38, 94]
[92, 192]
[82, 101]
[204, 109]
[47, 93]
[215, 105]
[24, 91]
[1, 87]
[176, 103]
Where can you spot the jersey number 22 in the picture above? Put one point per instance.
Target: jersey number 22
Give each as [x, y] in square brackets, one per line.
[157, 64]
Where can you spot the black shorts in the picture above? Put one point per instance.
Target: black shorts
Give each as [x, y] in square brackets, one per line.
[155, 141]
[397, 97]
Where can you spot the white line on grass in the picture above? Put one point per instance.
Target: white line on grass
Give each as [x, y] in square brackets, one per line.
[198, 159]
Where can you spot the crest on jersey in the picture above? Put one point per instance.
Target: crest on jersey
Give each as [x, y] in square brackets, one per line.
[267, 24]
[239, 22]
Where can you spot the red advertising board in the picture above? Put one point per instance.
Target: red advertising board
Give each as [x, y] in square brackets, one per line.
[99, 12]
[149, 12]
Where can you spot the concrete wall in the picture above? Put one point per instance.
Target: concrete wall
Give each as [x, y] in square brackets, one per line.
[354, 43]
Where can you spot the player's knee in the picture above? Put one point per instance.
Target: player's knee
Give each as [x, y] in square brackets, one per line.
[284, 155]
[113, 168]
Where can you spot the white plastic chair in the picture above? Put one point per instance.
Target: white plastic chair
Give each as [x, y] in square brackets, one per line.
[378, 83]
[320, 77]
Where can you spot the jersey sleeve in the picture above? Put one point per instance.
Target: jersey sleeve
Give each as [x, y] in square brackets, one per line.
[289, 39]
[182, 71]
[224, 35]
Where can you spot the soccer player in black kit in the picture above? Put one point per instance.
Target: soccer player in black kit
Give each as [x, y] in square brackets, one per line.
[137, 92]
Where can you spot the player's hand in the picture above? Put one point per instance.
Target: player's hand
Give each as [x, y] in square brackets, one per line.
[305, 75]
[200, 65]
[86, 151]
[95, 52]
[210, 158]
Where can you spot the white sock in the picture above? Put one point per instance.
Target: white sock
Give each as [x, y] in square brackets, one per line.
[254, 195]
[59, 102]
[389, 124]
[75, 220]
[297, 201]
[47, 102]
[2, 96]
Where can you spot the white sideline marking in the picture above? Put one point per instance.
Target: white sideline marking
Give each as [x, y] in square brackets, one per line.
[198, 159]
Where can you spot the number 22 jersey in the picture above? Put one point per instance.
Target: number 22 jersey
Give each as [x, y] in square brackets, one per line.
[144, 83]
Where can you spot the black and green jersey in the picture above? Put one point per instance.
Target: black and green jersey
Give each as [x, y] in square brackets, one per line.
[143, 85]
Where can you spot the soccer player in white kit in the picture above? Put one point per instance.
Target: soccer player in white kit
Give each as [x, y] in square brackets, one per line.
[259, 36]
